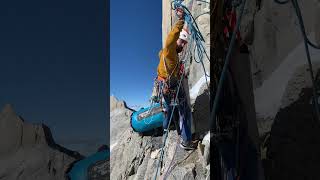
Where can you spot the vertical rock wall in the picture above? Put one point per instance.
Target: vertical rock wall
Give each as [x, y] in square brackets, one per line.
[196, 82]
[282, 83]
[136, 157]
[277, 52]
[197, 8]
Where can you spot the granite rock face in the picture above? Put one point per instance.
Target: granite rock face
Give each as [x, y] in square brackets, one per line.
[116, 104]
[201, 12]
[136, 157]
[28, 151]
[197, 83]
[119, 119]
[294, 141]
[277, 53]
[282, 83]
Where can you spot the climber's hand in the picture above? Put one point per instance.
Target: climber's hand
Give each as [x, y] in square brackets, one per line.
[180, 13]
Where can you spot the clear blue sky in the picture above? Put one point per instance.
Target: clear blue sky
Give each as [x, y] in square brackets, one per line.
[53, 57]
[135, 40]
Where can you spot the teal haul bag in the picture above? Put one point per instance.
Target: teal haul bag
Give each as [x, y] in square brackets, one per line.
[147, 119]
[93, 167]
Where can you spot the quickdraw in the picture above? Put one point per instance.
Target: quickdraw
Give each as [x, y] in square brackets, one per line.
[166, 87]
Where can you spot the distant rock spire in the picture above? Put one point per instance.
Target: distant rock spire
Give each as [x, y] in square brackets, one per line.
[115, 103]
[7, 109]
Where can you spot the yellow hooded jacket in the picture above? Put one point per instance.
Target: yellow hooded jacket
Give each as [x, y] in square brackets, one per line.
[169, 61]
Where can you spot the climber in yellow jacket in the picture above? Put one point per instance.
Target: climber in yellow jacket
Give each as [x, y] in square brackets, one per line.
[168, 77]
[169, 61]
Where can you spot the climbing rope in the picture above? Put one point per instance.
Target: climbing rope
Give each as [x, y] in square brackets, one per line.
[166, 133]
[228, 56]
[281, 2]
[224, 69]
[201, 15]
[196, 37]
[306, 43]
[172, 166]
[193, 28]
[171, 115]
[298, 12]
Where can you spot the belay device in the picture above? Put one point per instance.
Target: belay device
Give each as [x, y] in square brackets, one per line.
[147, 119]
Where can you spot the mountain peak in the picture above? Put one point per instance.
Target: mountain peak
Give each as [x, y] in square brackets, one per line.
[8, 109]
[115, 103]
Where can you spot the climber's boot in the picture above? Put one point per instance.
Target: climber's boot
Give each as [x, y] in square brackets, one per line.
[188, 145]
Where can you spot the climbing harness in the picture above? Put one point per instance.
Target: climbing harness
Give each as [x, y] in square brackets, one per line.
[168, 84]
[196, 37]
[168, 87]
[306, 43]
[166, 133]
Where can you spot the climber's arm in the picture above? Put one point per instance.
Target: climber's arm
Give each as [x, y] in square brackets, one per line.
[173, 36]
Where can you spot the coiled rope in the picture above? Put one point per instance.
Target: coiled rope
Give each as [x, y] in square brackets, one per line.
[196, 37]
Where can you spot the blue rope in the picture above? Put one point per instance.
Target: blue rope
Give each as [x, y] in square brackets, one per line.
[196, 35]
[224, 70]
[298, 12]
[201, 15]
[193, 28]
[166, 134]
[312, 44]
[281, 2]
[198, 39]
[307, 42]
